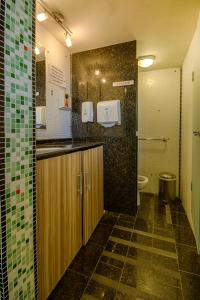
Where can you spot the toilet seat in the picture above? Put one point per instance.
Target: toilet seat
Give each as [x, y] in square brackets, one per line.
[142, 181]
[141, 178]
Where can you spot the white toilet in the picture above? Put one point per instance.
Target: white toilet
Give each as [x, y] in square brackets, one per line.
[142, 181]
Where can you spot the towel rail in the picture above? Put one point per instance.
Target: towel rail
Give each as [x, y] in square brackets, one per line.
[154, 139]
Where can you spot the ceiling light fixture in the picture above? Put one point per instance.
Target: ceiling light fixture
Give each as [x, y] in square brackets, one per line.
[68, 40]
[58, 18]
[41, 17]
[146, 61]
[103, 80]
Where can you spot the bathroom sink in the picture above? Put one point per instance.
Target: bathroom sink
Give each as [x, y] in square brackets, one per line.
[47, 149]
[52, 148]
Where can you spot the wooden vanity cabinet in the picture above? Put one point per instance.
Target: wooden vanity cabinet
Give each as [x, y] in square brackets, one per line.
[59, 217]
[93, 190]
[69, 207]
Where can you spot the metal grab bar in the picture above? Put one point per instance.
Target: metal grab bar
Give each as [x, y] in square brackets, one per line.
[154, 139]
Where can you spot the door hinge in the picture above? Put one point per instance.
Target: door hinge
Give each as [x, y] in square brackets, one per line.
[192, 76]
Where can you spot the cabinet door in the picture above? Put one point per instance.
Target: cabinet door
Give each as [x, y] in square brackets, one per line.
[93, 190]
[71, 208]
[59, 217]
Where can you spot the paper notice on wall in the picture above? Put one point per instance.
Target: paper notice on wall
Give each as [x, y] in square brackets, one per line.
[57, 76]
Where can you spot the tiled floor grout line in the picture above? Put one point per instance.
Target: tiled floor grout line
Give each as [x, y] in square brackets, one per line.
[164, 229]
[123, 265]
[139, 262]
[109, 264]
[148, 234]
[179, 272]
[132, 232]
[90, 278]
[117, 289]
[121, 287]
[151, 249]
[181, 226]
[89, 297]
[153, 201]
[177, 211]
[190, 273]
[127, 252]
[153, 209]
[168, 214]
[76, 272]
[178, 265]
[114, 263]
[193, 247]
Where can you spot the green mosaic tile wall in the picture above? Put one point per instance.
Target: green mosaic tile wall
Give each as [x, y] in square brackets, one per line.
[19, 156]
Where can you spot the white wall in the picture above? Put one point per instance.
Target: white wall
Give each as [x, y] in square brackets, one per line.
[191, 59]
[58, 121]
[158, 116]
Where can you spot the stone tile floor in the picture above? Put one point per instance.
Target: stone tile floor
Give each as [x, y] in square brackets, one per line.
[150, 256]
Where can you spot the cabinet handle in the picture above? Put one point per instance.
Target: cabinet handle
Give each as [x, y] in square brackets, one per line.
[80, 189]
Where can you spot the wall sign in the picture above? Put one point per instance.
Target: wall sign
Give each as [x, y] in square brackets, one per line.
[57, 76]
[123, 83]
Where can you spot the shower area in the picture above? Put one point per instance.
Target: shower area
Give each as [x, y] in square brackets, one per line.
[159, 133]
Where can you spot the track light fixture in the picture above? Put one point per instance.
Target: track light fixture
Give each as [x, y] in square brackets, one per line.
[57, 17]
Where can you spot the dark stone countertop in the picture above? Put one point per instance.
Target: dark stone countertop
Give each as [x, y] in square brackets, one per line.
[45, 151]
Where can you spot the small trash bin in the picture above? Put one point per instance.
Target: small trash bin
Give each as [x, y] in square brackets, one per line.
[167, 187]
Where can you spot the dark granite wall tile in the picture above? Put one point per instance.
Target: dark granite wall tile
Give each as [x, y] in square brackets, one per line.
[41, 83]
[116, 63]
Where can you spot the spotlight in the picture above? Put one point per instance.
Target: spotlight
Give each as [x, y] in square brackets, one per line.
[37, 51]
[68, 41]
[41, 17]
[97, 72]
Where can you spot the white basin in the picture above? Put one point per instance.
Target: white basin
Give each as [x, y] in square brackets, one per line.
[41, 150]
[52, 149]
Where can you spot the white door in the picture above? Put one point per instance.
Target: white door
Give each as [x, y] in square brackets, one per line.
[196, 154]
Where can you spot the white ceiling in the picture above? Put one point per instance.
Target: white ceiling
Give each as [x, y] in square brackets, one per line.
[163, 28]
